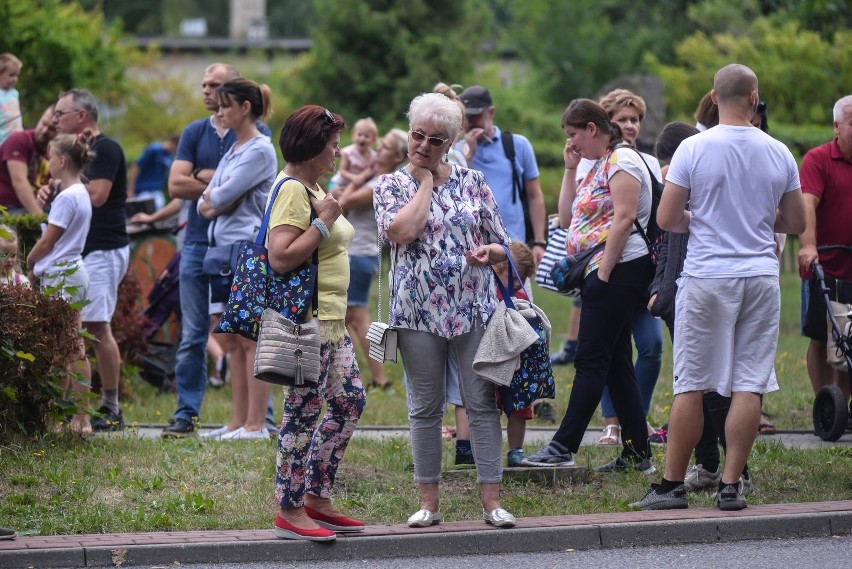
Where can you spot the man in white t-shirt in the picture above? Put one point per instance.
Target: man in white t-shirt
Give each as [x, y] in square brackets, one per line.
[742, 186]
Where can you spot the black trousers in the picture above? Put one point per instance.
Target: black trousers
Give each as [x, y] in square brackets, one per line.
[604, 357]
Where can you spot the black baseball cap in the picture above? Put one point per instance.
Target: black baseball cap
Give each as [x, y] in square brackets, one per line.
[476, 100]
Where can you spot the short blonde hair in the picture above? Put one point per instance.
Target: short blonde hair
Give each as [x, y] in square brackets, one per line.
[369, 124]
[9, 243]
[9, 58]
[523, 258]
[617, 99]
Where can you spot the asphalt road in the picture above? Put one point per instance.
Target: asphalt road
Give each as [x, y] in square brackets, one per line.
[822, 553]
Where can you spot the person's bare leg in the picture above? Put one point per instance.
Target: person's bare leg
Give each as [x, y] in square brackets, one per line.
[841, 380]
[685, 427]
[257, 391]
[740, 433]
[819, 370]
[429, 496]
[516, 430]
[462, 424]
[239, 380]
[106, 353]
[298, 518]
[490, 496]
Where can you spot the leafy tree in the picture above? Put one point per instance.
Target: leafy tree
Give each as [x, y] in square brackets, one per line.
[372, 57]
[61, 47]
[800, 73]
[576, 47]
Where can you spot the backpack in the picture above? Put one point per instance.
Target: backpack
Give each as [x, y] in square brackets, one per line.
[653, 233]
[518, 189]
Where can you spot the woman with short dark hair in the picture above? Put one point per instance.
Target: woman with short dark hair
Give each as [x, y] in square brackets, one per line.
[311, 447]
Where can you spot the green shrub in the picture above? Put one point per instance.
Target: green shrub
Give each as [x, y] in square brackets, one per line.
[38, 336]
[28, 228]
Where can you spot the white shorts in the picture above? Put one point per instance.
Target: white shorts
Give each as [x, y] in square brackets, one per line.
[726, 334]
[106, 270]
[72, 287]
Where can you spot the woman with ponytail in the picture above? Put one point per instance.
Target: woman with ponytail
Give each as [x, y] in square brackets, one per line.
[235, 199]
[56, 259]
[601, 209]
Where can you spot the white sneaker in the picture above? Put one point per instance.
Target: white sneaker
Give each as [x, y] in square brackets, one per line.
[243, 435]
[216, 434]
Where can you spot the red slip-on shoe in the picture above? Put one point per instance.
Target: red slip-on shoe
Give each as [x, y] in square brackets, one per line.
[286, 530]
[336, 523]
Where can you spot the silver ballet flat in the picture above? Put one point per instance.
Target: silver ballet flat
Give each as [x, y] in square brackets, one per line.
[498, 517]
[424, 518]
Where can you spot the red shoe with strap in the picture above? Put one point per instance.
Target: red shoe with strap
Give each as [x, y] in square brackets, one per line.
[335, 523]
[286, 530]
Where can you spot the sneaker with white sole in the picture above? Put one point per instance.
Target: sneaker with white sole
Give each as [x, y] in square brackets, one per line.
[553, 454]
[621, 464]
[515, 457]
[215, 434]
[243, 435]
[746, 486]
[674, 499]
[698, 478]
[730, 498]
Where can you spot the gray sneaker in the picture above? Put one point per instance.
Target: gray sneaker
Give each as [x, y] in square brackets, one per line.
[672, 500]
[730, 498]
[698, 478]
[746, 486]
[554, 454]
[621, 464]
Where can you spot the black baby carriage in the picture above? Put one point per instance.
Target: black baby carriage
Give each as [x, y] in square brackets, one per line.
[830, 412]
[158, 365]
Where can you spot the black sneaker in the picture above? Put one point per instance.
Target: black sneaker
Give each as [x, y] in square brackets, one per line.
[108, 421]
[672, 500]
[730, 499]
[622, 464]
[564, 357]
[464, 458]
[178, 429]
[544, 412]
[553, 454]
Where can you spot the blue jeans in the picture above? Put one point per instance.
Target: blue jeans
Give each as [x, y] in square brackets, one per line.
[191, 366]
[648, 336]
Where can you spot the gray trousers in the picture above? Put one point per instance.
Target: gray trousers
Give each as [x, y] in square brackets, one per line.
[424, 356]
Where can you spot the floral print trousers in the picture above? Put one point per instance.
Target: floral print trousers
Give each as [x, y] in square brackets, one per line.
[309, 454]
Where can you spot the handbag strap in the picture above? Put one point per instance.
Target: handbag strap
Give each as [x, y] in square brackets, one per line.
[507, 294]
[264, 225]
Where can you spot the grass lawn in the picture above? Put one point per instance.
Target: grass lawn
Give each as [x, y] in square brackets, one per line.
[60, 485]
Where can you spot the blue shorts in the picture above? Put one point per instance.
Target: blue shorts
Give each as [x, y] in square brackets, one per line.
[361, 271]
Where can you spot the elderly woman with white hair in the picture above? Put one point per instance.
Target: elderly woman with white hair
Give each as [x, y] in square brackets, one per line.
[444, 230]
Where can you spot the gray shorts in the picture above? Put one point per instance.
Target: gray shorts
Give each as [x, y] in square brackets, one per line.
[726, 334]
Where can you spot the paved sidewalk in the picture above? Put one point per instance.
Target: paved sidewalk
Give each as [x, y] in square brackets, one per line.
[554, 533]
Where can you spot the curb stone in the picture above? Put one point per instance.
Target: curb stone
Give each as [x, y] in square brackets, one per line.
[557, 533]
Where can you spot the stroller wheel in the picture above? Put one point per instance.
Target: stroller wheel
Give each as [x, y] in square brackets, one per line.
[830, 413]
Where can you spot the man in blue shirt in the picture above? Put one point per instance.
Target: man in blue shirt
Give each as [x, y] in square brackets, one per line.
[148, 175]
[484, 144]
[201, 147]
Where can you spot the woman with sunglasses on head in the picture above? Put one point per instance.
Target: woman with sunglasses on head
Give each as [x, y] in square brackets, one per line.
[444, 230]
[311, 447]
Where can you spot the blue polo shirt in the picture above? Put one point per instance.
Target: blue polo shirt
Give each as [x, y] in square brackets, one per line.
[201, 145]
[490, 159]
[153, 164]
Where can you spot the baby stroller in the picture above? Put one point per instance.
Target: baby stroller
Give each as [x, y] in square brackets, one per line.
[830, 413]
[158, 365]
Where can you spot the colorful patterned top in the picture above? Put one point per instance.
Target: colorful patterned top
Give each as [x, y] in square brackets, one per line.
[592, 212]
[10, 113]
[434, 290]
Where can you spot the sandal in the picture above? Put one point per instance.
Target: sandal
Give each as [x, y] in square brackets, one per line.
[611, 434]
[765, 427]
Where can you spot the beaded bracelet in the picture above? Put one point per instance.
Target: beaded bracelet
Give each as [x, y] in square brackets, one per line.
[318, 223]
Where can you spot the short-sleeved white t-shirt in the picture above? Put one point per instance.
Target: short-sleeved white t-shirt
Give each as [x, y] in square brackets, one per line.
[72, 211]
[736, 176]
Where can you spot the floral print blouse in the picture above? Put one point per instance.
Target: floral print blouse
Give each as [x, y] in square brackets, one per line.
[592, 212]
[433, 288]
